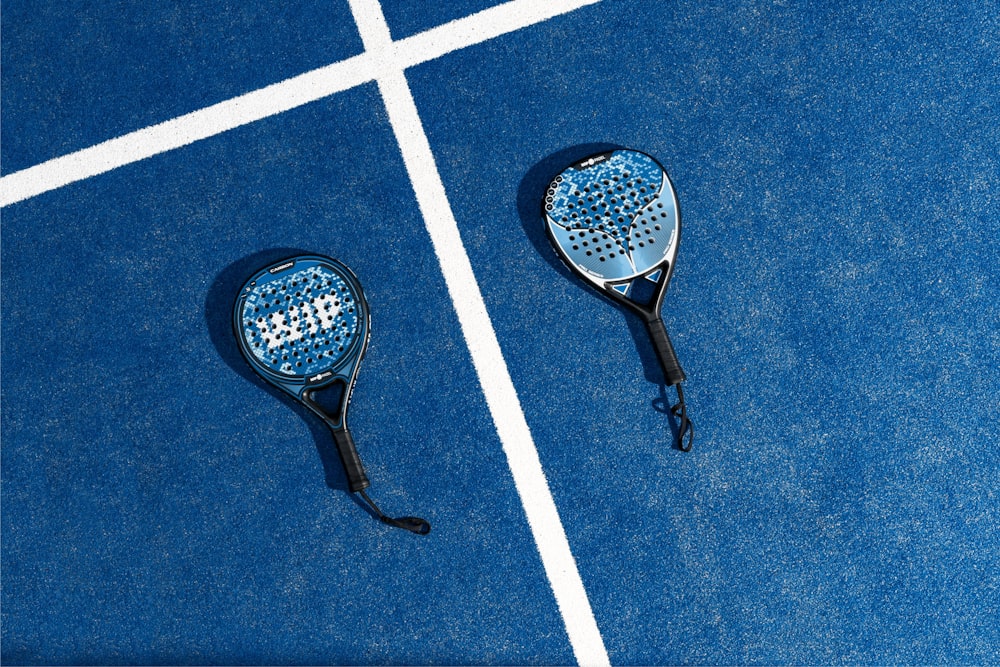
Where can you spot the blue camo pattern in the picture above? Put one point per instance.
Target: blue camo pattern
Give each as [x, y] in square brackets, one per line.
[614, 219]
[300, 323]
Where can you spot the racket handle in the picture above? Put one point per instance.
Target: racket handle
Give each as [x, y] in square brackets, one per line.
[672, 371]
[356, 478]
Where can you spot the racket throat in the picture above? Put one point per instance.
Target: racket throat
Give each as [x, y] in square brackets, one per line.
[329, 403]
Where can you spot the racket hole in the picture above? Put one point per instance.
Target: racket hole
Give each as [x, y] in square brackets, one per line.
[601, 258]
[656, 227]
[589, 253]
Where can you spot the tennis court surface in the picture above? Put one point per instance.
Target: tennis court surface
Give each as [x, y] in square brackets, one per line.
[835, 305]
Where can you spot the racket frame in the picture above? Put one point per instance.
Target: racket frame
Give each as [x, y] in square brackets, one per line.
[344, 370]
[618, 290]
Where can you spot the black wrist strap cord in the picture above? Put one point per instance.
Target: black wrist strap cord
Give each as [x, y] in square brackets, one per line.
[686, 428]
[410, 523]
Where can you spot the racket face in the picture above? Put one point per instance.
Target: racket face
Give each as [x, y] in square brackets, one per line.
[614, 217]
[302, 323]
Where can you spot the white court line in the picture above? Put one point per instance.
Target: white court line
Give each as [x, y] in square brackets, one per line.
[277, 98]
[384, 61]
[186, 129]
[487, 357]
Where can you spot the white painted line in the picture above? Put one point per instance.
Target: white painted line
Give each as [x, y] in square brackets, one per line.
[186, 129]
[494, 377]
[279, 97]
[479, 27]
[487, 357]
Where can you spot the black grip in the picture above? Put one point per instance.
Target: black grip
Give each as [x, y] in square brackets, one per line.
[356, 478]
[672, 371]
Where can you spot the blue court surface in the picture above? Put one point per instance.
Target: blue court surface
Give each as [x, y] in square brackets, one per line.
[835, 305]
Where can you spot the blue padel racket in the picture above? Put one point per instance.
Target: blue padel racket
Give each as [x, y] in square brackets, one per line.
[615, 221]
[303, 326]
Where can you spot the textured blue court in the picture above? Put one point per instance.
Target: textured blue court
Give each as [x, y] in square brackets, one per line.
[835, 305]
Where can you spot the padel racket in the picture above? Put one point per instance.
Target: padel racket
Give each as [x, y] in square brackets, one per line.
[303, 326]
[615, 221]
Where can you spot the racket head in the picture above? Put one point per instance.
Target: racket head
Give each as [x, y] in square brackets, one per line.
[303, 324]
[613, 218]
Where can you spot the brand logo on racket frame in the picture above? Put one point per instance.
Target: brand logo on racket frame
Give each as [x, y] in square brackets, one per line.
[591, 161]
[279, 269]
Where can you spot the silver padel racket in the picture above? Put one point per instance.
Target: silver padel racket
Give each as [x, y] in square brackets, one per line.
[615, 221]
[302, 324]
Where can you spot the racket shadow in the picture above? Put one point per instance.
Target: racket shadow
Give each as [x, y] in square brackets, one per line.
[530, 194]
[218, 318]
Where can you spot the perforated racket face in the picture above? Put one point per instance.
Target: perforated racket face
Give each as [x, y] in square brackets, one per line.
[303, 320]
[613, 216]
